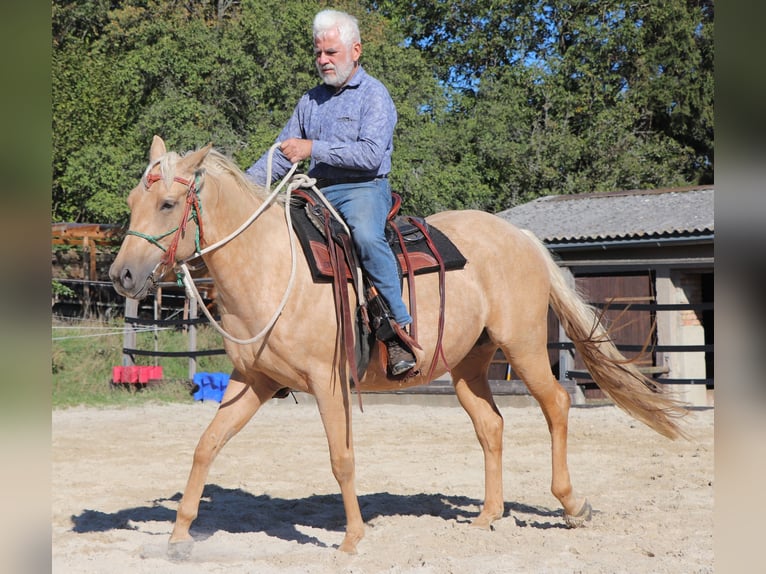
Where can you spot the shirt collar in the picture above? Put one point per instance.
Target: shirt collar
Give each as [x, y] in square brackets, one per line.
[355, 80]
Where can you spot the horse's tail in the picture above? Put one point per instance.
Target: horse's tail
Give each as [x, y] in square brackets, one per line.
[616, 375]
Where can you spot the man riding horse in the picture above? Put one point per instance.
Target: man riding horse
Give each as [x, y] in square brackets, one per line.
[346, 126]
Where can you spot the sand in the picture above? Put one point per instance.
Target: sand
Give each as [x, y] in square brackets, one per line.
[272, 505]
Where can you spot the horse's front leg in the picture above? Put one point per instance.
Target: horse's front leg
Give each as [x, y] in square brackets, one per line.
[336, 418]
[239, 403]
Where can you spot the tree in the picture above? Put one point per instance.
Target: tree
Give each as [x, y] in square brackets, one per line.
[574, 96]
[193, 73]
[498, 103]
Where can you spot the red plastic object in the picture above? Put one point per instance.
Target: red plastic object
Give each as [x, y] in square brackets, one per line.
[136, 374]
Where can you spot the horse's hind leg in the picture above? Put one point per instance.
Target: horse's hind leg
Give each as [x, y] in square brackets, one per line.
[473, 392]
[239, 403]
[534, 369]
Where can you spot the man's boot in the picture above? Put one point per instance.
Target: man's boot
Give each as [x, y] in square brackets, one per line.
[400, 358]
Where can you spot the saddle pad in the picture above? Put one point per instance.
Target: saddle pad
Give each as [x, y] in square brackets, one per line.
[315, 248]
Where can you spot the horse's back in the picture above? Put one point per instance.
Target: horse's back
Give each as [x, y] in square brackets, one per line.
[489, 242]
[505, 275]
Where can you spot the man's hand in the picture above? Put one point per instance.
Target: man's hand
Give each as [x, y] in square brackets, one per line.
[296, 149]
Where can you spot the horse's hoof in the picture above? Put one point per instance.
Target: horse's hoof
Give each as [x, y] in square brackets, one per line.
[579, 519]
[482, 523]
[180, 551]
[484, 520]
[348, 546]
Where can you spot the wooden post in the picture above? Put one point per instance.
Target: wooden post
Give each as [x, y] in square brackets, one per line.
[157, 317]
[92, 252]
[87, 272]
[192, 333]
[129, 337]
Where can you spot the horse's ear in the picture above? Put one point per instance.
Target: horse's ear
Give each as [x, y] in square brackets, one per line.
[194, 159]
[157, 150]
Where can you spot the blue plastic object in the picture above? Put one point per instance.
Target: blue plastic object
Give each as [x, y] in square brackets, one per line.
[210, 386]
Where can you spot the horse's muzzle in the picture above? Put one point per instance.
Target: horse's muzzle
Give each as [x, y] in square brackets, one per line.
[130, 284]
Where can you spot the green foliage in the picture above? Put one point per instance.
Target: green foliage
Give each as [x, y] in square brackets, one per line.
[498, 103]
[575, 96]
[541, 139]
[61, 290]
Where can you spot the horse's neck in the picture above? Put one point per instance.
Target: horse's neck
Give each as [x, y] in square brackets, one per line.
[256, 260]
[226, 207]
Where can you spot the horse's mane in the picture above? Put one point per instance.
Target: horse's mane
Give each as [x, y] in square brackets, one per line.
[216, 164]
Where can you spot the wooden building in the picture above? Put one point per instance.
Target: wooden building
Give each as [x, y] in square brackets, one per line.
[646, 258]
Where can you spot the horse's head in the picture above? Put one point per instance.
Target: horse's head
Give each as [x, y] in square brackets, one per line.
[164, 220]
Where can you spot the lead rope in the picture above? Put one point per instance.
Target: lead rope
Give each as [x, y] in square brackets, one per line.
[188, 281]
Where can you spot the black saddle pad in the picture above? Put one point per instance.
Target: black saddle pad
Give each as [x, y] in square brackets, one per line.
[421, 258]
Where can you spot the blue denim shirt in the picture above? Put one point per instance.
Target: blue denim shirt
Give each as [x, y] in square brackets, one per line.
[352, 131]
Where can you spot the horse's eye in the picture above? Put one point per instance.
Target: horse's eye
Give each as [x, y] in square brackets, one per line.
[167, 205]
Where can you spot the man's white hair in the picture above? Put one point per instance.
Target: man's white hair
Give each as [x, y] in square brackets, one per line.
[346, 25]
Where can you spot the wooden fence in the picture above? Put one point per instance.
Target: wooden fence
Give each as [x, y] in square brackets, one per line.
[656, 371]
[567, 373]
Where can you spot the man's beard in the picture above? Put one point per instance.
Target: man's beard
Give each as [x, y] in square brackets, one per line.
[342, 73]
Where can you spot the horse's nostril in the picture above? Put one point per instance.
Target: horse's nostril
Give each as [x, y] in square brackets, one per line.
[126, 275]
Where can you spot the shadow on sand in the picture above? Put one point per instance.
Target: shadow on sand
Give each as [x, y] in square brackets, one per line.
[238, 511]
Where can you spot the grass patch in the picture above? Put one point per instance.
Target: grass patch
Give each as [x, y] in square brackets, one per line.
[84, 352]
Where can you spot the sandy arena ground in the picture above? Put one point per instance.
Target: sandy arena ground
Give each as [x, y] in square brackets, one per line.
[271, 504]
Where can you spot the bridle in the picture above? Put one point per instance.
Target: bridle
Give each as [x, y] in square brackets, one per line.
[192, 212]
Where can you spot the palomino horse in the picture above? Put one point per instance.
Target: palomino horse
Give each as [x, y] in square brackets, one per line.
[498, 300]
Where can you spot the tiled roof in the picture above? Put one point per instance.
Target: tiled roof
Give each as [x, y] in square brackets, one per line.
[617, 215]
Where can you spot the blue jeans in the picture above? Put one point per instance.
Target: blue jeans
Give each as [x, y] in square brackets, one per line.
[364, 207]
